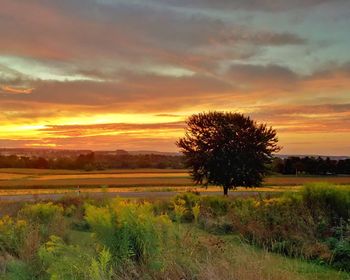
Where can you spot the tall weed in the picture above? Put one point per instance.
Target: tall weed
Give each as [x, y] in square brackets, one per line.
[131, 232]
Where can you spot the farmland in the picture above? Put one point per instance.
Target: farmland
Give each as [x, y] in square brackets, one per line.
[60, 179]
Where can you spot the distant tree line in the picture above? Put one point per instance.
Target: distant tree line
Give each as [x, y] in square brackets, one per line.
[92, 161]
[96, 161]
[310, 166]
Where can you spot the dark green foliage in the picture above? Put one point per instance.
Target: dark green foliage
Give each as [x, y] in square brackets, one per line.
[227, 149]
[218, 206]
[18, 270]
[312, 224]
[334, 200]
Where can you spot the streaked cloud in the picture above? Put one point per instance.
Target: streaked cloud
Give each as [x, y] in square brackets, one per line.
[257, 5]
[16, 90]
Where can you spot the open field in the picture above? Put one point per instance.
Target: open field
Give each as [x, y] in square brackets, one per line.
[148, 189]
[58, 179]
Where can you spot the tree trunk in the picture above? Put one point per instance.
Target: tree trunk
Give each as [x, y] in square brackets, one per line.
[225, 191]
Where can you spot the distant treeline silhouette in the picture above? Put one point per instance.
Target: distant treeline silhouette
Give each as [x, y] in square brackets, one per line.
[95, 161]
[310, 166]
[92, 161]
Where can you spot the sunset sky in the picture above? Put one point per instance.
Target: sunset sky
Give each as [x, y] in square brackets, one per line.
[125, 74]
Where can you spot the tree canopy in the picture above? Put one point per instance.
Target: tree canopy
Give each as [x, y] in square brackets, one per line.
[227, 149]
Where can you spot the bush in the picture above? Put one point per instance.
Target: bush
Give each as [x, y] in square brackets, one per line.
[309, 224]
[325, 197]
[190, 199]
[341, 255]
[18, 270]
[42, 213]
[130, 231]
[19, 238]
[183, 205]
[12, 235]
[62, 261]
[47, 216]
[217, 206]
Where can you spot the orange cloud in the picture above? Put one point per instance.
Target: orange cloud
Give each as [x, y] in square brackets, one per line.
[16, 90]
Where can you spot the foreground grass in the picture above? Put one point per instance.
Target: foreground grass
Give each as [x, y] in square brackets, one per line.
[224, 257]
[186, 237]
[234, 259]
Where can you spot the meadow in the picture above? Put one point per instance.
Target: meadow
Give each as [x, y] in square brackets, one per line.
[290, 235]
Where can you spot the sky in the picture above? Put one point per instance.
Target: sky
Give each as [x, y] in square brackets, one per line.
[125, 74]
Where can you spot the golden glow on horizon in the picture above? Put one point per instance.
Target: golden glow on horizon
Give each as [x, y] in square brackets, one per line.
[41, 129]
[94, 129]
[115, 118]
[41, 145]
[21, 131]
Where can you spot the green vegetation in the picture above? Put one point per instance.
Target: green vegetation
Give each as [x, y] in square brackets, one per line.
[313, 224]
[186, 237]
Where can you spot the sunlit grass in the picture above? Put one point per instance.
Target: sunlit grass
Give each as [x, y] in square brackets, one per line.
[22, 181]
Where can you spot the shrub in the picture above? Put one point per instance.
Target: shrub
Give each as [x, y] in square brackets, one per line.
[310, 224]
[335, 200]
[101, 268]
[12, 235]
[43, 213]
[183, 206]
[341, 255]
[191, 199]
[70, 210]
[62, 261]
[180, 210]
[47, 216]
[196, 211]
[278, 224]
[18, 270]
[72, 199]
[217, 206]
[130, 231]
[161, 207]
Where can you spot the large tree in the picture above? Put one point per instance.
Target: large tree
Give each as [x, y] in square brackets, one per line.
[227, 149]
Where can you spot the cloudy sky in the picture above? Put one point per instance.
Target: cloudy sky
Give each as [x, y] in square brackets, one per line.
[124, 74]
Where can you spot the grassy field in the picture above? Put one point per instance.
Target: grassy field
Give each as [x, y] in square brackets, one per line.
[185, 237]
[36, 178]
